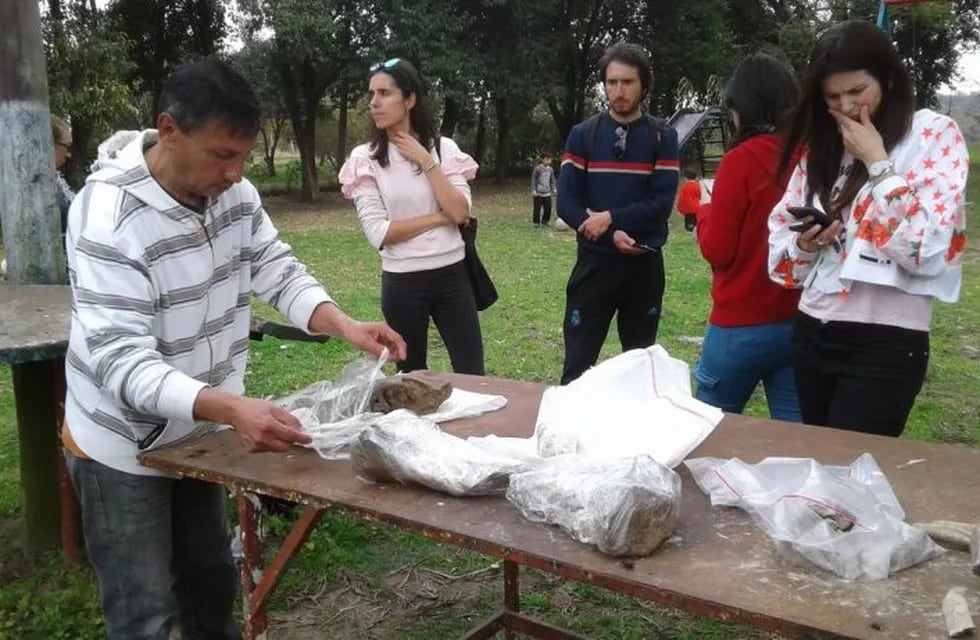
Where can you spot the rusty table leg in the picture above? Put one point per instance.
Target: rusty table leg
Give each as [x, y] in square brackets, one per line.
[256, 621]
[512, 591]
[258, 584]
[37, 426]
[68, 499]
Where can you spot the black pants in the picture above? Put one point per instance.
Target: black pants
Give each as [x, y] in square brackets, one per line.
[542, 209]
[602, 284]
[859, 377]
[408, 300]
[690, 221]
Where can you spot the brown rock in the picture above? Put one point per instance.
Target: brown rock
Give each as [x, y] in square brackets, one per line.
[419, 391]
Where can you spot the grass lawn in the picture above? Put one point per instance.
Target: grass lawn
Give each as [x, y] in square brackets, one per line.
[356, 580]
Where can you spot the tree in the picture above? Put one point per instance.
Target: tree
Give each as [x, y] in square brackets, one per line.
[165, 33]
[576, 38]
[313, 41]
[687, 40]
[257, 62]
[513, 60]
[87, 63]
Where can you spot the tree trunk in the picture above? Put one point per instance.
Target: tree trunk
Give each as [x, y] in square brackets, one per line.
[481, 133]
[31, 225]
[268, 153]
[342, 129]
[306, 139]
[501, 109]
[450, 117]
[76, 169]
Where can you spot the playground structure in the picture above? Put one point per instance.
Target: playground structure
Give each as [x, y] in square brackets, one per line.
[702, 125]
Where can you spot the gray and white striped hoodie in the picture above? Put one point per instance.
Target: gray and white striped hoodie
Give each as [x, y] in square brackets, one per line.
[161, 304]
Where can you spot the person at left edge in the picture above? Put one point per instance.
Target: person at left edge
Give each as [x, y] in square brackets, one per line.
[616, 189]
[167, 244]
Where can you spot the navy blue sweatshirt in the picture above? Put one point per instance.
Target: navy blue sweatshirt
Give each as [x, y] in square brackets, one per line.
[638, 194]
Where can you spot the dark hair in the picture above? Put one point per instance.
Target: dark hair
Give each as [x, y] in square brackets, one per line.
[690, 173]
[762, 90]
[407, 79]
[208, 89]
[854, 45]
[633, 55]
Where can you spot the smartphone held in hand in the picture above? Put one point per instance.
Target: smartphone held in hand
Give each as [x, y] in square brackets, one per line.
[802, 213]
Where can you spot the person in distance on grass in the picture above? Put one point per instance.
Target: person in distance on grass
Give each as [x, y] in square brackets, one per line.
[166, 246]
[750, 329]
[891, 180]
[411, 192]
[542, 190]
[616, 189]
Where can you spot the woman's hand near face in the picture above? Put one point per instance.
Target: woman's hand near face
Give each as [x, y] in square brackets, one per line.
[861, 138]
[409, 147]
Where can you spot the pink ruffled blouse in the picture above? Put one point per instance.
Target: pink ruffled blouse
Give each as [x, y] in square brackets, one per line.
[399, 192]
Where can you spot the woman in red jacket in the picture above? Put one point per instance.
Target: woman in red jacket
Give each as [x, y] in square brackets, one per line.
[750, 329]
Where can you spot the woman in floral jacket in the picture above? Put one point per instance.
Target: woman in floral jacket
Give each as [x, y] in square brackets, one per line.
[891, 181]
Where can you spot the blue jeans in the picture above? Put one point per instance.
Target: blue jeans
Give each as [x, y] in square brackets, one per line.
[161, 550]
[735, 359]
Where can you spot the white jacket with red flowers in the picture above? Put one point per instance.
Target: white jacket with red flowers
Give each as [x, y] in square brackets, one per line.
[908, 231]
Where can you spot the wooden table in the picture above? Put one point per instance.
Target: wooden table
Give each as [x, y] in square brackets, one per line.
[34, 326]
[718, 563]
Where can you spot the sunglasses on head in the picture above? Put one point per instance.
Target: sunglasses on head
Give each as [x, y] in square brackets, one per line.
[387, 64]
[619, 147]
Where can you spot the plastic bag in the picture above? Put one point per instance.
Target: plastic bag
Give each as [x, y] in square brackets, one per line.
[626, 507]
[333, 413]
[845, 520]
[404, 447]
[638, 402]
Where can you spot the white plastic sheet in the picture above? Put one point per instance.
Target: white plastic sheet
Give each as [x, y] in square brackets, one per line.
[845, 520]
[404, 447]
[626, 507]
[334, 413]
[636, 403]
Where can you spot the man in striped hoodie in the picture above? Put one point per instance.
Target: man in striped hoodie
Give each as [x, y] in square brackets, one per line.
[616, 188]
[166, 246]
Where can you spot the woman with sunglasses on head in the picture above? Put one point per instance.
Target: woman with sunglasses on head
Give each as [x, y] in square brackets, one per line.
[410, 188]
[749, 335]
[891, 183]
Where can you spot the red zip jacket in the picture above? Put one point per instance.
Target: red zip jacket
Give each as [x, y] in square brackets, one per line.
[733, 236]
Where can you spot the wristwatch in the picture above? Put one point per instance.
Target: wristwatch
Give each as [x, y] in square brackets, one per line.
[877, 170]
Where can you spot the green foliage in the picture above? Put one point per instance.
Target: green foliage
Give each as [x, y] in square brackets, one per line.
[87, 63]
[166, 32]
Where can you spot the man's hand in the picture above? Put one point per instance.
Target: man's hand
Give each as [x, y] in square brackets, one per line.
[596, 224]
[265, 426]
[372, 337]
[625, 244]
[262, 425]
[375, 337]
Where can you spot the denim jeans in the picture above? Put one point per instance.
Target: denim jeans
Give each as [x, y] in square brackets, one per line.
[735, 359]
[161, 550]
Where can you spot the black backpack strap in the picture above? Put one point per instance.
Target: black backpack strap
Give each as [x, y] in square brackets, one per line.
[588, 136]
[656, 126]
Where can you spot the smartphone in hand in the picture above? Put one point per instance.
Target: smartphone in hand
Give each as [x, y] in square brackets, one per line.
[816, 217]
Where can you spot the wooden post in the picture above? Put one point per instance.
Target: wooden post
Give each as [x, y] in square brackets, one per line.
[32, 244]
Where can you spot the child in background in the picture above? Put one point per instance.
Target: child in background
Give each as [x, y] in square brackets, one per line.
[689, 198]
